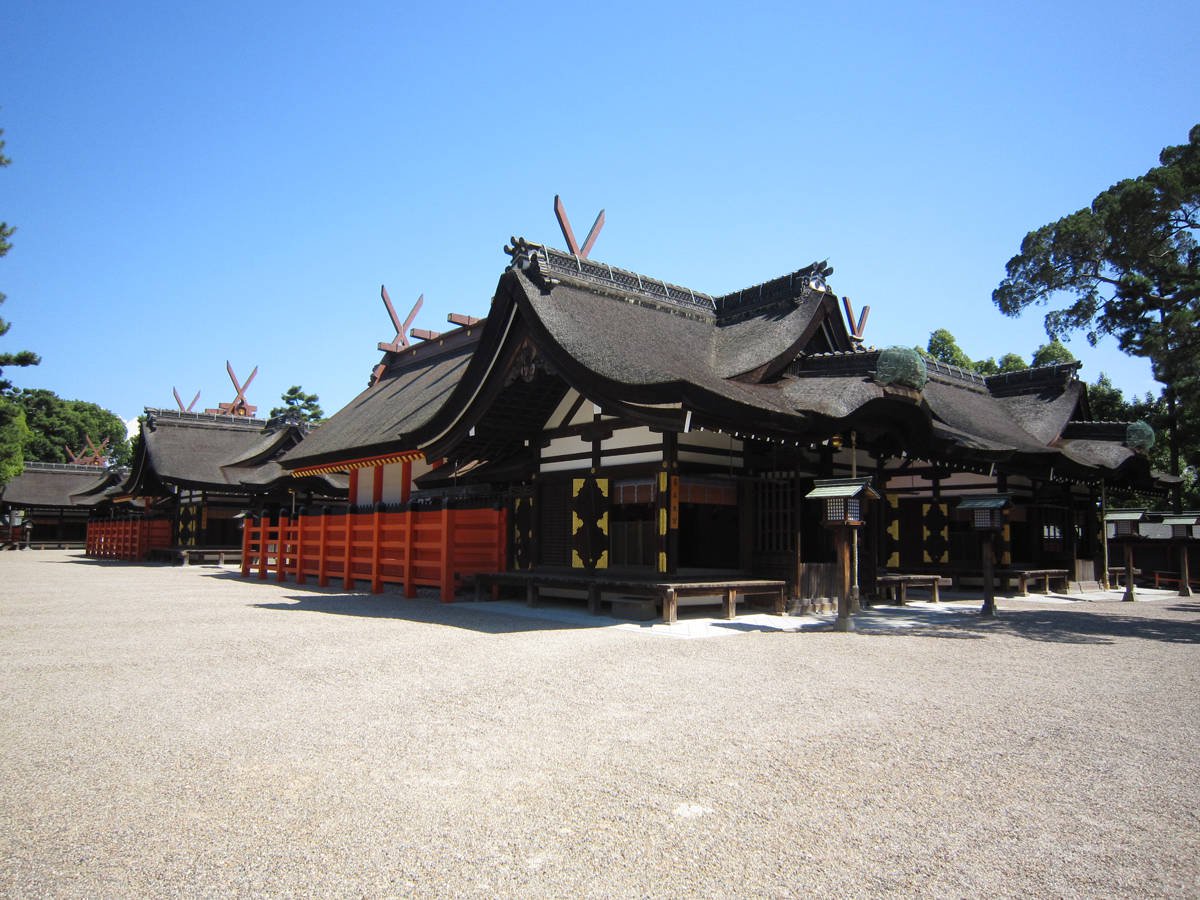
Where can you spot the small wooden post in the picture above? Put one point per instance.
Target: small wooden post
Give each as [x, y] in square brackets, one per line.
[989, 571]
[1185, 584]
[730, 603]
[842, 545]
[1130, 590]
[670, 607]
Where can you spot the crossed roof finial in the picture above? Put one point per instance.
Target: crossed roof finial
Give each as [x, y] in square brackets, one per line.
[564, 223]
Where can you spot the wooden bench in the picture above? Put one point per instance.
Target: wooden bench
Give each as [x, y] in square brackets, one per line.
[1023, 577]
[666, 594]
[192, 556]
[895, 586]
[1116, 573]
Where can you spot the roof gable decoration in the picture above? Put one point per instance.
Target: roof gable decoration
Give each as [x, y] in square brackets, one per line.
[179, 401]
[564, 223]
[238, 406]
[91, 455]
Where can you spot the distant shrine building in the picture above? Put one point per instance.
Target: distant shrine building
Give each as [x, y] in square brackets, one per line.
[606, 423]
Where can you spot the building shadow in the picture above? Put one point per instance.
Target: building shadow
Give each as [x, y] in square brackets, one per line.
[1065, 626]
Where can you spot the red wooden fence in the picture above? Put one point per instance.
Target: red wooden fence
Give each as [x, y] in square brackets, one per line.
[433, 548]
[130, 539]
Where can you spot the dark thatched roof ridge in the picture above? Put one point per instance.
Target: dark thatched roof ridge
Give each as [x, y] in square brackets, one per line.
[413, 387]
[57, 485]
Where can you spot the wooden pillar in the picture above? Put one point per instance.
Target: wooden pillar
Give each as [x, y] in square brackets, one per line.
[410, 530]
[377, 485]
[348, 556]
[247, 526]
[323, 549]
[298, 559]
[353, 496]
[264, 534]
[1185, 585]
[446, 560]
[281, 552]
[405, 480]
[377, 536]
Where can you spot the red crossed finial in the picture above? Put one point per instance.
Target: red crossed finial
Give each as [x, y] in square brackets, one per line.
[401, 340]
[239, 406]
[856, 329]
[179, 400]
[564, 223]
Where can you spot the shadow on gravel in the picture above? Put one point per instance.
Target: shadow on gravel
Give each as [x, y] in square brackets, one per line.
[110, 563]
[1058, 626]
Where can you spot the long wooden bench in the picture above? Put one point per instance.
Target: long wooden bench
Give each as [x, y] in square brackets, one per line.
[895, 586]
[1024, 576]
[665, 593]
[192, 556]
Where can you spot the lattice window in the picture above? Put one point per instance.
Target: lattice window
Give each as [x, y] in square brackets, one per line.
[774, 510]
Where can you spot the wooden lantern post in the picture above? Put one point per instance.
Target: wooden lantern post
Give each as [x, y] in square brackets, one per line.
[987, 514]
[842, 511]
[1127, 531]
[1183, 533]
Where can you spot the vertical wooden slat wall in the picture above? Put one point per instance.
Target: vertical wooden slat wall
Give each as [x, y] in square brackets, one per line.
[413, 548]
[126, 539]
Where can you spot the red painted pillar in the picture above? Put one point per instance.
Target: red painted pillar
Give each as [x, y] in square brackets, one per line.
[405, 480]
[247, 526]
[446, 562]
[323, 551]
[281, 554]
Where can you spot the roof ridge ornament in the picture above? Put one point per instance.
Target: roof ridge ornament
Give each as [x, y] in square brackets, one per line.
[523, 252]
[856, 329]
[238, 406]
[179, 400]
[817, 273]
[560, 213]
[400, 341]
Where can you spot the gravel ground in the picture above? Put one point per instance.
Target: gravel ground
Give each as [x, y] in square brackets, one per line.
[182, 732]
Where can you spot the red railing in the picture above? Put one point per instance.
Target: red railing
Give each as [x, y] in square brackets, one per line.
[129, 539]
[430, 548]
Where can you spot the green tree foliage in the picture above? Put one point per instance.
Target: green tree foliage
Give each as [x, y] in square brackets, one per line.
[56, 424]
[1051, 354]
[943, 347]
[22, 357]
[305, 406]
[13, 435]
[1127, 266]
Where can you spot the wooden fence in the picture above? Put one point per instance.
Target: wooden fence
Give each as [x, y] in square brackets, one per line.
[129, 539]
[427, 547]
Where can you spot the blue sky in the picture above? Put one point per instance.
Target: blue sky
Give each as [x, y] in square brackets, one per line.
[234, 181]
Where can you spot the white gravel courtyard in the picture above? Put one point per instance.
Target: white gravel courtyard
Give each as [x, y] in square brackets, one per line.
[183, 732]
